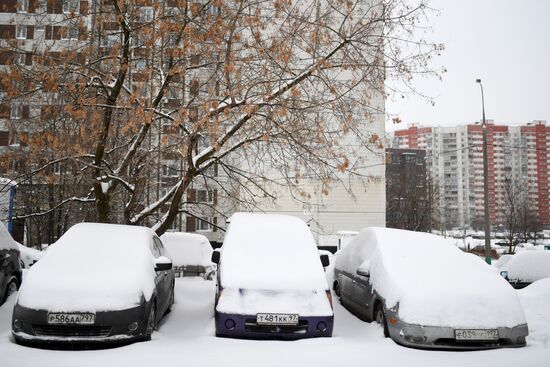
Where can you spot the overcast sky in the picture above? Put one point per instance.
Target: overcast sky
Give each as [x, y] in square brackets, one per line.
[506, 43]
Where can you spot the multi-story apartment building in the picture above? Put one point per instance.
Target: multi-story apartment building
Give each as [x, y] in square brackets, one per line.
[31, 30]
[407, 192]
[517, 154]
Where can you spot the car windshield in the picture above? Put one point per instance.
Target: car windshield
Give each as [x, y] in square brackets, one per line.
[279, 250]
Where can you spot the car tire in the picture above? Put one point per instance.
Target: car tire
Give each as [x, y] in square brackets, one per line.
[11, 287]
[150, 322]
[336, 288]
[170, 303]
[380, 318]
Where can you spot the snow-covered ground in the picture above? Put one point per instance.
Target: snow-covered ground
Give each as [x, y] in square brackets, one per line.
[186, 338]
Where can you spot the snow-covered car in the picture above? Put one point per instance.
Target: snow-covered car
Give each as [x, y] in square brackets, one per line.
[98, 283]
[526, 267]
[191, 254]
[270, 282]
[427, 293]
[10, 264]
[29, 256]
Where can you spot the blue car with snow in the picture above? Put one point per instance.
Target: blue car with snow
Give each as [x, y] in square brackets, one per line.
[271, 282]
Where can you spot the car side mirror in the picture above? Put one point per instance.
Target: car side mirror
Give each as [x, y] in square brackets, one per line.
[504, 274]
[216, 257]
[163, 263]
[363, 272]
[325, 260]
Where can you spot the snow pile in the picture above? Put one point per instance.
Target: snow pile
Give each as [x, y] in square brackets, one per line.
[6, 241]
[29, 255]
[431, 281]
[536, 300]
[188, 248]
[92, 267]
[528, 266]
[268, 254]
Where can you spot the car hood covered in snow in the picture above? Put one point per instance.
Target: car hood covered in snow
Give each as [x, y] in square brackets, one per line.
[433, 283]
[92, 267]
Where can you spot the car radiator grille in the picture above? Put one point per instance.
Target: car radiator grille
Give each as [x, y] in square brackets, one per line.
[72, 330]
[300, 328]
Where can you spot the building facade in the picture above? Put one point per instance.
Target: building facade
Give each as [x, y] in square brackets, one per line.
[517, 156]
[37, 33]
[408, 204]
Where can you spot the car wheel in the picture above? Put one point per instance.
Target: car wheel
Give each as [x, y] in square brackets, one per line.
[171, 303]
[12, 287]
[150, 322]
[336, 288]
[380, 317]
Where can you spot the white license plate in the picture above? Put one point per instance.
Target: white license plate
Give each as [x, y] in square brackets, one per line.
[71, 318]
[276, 319]
[476, 334]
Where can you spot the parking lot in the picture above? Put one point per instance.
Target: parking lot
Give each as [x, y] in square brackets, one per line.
[186, 338]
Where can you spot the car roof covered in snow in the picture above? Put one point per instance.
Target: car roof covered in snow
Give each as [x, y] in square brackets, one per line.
[430, 280]
[528, 266]
[92, 267]
[272, 252]
[188, 248]
[6, 240]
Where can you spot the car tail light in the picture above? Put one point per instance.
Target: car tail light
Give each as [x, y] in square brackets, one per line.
[329, 296]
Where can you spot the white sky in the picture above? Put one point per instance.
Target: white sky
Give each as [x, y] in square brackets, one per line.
[506, 43]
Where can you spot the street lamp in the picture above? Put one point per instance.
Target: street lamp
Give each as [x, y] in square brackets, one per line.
[485, 181]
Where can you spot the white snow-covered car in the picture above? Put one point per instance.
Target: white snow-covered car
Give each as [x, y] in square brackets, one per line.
[10, 265]
[426, 293]
[191, 254]
[271, 282]
[98, 283]
[526, 267]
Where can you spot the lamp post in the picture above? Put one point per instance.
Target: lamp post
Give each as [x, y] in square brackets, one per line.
[485, 181]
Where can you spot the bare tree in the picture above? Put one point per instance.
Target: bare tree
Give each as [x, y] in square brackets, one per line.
[515, 199]
[240, 87]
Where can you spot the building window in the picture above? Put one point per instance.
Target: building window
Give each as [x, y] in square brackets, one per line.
[169, 171]
[71, 34]
[15, 111]
[56, 168]
[22, 6]
[205, 196]
[71, 6]
[145, 14]
[204, 224]
[21, 32]
[19, 58]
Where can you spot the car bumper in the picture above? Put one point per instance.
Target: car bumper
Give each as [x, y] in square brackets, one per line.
[30, 327]
[245, 326]
[436, 337]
